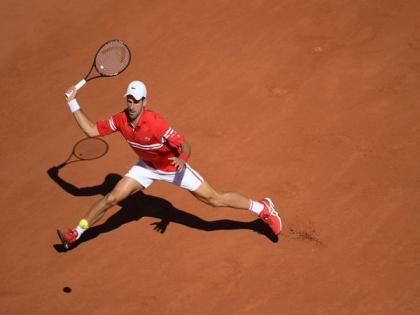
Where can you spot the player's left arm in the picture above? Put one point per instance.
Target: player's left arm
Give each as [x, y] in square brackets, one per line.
[184, 154]
[174, 140]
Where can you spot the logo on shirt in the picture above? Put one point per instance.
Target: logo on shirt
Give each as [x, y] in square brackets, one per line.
[147, 139]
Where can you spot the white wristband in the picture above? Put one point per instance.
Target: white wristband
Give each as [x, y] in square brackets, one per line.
[73, 105]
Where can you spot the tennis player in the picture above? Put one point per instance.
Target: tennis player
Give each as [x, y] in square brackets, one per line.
[163, 155]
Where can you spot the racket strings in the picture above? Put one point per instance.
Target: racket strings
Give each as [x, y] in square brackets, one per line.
[112, 58]
[90, 149]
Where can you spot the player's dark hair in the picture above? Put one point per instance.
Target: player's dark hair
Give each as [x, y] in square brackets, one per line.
[134, 100]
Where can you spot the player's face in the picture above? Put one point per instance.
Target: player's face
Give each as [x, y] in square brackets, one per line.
[134, 108]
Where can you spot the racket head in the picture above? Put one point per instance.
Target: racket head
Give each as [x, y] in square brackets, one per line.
[112, 58]
[90, 148]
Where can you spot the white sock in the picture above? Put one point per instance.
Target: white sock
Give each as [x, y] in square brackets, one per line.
[256, 207]
[79, 231]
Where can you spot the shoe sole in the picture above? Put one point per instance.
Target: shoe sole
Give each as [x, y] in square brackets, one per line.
[271, 204]
[62, 239]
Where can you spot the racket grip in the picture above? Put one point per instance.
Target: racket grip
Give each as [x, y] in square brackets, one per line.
[80, 84]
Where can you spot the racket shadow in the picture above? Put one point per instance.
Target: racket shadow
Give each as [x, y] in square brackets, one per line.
[86, 149]
[141, 205]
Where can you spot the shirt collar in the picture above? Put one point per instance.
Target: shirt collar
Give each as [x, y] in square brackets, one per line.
[139, 121]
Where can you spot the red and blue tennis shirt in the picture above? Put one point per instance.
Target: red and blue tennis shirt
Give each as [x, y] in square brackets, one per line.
[152, 138]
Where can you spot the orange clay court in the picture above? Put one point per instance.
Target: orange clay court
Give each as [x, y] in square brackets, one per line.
[312, 103]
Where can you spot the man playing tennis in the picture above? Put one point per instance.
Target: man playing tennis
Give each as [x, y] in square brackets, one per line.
[163, 155]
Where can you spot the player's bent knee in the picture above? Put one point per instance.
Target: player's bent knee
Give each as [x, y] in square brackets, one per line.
[111, 199]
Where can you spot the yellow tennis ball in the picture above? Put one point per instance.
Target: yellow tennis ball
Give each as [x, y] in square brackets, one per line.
[84, 224]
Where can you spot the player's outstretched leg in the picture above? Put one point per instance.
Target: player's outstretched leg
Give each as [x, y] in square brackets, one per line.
[125, 187]
[264, 209]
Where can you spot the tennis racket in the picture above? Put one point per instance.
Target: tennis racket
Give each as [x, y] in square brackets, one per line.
[111, 59]
[85, 150]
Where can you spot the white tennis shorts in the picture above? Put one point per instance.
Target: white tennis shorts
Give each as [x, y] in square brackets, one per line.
[145, 175]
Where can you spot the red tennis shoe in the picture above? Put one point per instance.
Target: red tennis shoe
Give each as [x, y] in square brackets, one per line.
[67, 237]
[270, 216]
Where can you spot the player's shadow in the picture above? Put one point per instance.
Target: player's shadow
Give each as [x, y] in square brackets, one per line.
[141, 205]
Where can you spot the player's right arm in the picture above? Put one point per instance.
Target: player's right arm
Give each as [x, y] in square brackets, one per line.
[87, 126]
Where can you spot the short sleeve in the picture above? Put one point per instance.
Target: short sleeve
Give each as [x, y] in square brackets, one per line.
[166, 134]
[106, 127]
[174, 139]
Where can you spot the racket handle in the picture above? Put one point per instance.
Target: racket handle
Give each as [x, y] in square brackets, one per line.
[78, 86]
